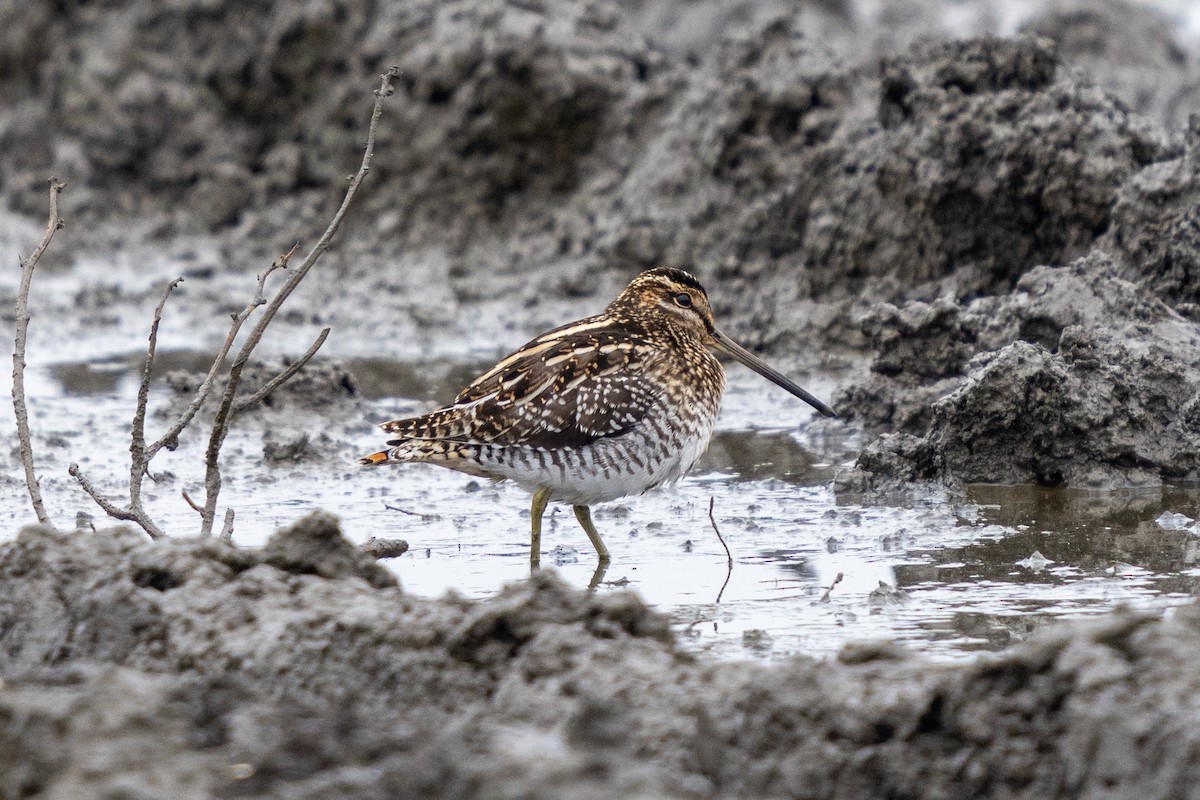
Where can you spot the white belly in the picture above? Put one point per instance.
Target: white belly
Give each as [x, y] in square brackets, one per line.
[611, 467]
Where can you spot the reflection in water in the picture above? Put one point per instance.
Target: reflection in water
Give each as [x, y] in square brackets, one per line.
[104, 377]
[1089, 552]
[1071, 509]
[1093, 539]
[428, 381]
[754, 456]
[89, 378]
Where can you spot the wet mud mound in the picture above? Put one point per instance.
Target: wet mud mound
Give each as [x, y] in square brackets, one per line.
[1077, 377]
[557, 148]
[193, 669]
[1156, 227]
[979, 162]
[1130, 49]
[319, 386]
[1083, 374]
[503, 109]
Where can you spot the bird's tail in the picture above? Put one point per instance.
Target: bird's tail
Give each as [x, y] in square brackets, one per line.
[382, 457]
[401, 450]
[453, 455]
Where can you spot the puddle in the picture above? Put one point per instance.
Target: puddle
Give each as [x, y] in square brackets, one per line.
[941, 576]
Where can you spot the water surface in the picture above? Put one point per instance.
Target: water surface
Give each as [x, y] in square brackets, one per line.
[946, 576]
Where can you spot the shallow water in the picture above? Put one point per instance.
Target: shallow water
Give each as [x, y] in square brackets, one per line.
[940, 574]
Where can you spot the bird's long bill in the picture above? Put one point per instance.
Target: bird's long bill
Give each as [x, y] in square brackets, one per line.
[744, 356]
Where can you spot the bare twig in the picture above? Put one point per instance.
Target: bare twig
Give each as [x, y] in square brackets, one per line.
[139, 453]
[137, 444]
[187, 498]
[18, 387]
[227, 528]
[273, 384]
[728, 555]
[384, 548]
[170, 439]
[212, 479]
[829, 589]
[110, 508]
[417, 514]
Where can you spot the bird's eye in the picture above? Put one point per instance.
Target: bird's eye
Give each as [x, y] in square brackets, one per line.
[683, 300]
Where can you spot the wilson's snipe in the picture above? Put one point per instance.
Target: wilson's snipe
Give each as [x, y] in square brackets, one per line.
[602, 408]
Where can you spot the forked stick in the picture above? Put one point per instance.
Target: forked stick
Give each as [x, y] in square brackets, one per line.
[212, 477]
[142, 453]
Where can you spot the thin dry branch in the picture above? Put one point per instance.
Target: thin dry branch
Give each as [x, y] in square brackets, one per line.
[227, 528]
[282, 378]
[170, 439]
[53, 224]
[829, 589]
[212, 479]
[137, 443]
[128, 514]
[139, 454]
[417, 514]
[187, 498]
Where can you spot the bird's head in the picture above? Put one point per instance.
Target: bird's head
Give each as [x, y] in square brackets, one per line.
[673, 301]
[667, 298]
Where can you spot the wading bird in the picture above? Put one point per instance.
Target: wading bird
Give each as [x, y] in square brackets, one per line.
[605, 407]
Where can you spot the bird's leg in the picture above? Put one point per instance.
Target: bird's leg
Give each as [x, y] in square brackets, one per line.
[540, 498]
[584, 515]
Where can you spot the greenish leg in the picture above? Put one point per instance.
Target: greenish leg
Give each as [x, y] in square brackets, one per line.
[598, 575]
[540, 498]
[584, 515]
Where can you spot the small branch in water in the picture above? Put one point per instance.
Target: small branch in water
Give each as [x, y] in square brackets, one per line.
[227, 528]
[728, 555]
[187, 498]
[127, 514]
[138, 461]
[416, 514]
[836, 581]
[170, 439]
[24, 439]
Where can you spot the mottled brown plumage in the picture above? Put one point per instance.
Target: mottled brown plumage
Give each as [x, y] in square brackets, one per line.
[609, 406]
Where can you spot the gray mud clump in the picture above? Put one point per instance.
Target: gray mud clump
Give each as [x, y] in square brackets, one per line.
[1129, 50]
[317, 387]
[202, 670]
[1077, 377]
[1156, 227]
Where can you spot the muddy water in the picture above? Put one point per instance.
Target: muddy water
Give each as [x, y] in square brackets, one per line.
[947, 576]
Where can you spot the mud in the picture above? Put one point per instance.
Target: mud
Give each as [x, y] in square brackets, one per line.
[557, 149]
[191, 669]
[987, 240]
[1077, 377]
[1129, 50]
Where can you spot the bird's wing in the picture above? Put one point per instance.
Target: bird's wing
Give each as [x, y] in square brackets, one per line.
[566, 388]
